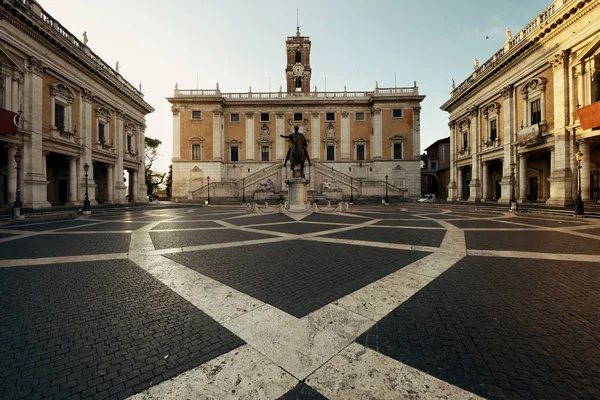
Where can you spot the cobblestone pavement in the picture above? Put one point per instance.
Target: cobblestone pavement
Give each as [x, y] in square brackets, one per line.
[407, 301]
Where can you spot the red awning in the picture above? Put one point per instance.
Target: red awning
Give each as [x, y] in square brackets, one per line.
[9, 122]
[589, 116]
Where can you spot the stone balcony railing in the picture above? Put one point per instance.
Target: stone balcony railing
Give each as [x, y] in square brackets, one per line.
[73, 41]
[491, 144]
[404, 91]
[513, 42]
[463, 153]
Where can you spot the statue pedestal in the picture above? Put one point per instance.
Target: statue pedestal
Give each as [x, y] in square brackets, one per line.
[297, 192]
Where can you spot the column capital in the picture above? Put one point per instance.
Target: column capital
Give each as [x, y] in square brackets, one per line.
[250, 114]
[119, 114]
[279, 114]
[507, 91]
[217, 113]
[175, 110]
[416, 109]
[473, 110]
[376, 111]
[559, 59]
[451, 124]
[345, 114]
[581, 142]
[36, 66]
[87, 95]
[550, 148]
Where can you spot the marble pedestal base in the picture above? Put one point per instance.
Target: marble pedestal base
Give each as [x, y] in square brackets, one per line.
[298, 194]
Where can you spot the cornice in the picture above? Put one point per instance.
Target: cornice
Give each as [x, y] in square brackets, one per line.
[35, 29]
[533, 44]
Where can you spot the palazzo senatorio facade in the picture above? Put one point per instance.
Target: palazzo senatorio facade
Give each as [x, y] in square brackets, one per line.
[354, 139]
[519, 112]
[74, 110]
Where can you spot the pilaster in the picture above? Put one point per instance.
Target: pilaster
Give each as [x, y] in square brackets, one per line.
[585, 170]
[452, 184]
[316, 136]
[345, 135]
[279, 141]
[250, 142]
[416, 133]
[522, 184]
[72, 195]
[475, 192]
[377, 148]
[176, 134]
[508, 110]
[218, 135]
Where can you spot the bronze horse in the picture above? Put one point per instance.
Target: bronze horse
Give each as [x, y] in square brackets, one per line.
[298, 152]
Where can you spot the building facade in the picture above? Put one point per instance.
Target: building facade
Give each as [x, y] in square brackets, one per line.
[73, 109]
[355, 139]
[514, 123]
[435, 170]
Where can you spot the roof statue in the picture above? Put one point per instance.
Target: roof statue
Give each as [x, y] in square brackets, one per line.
[508, 34]
[453, 84]
[475, 64]
[140, 86]
[85, 39]
[117, 67]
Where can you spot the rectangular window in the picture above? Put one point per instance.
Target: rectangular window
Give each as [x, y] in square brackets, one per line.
[196, 114]
[297, 116]
[195, 152]
[536, 112]
[264, 151]
[234, 117]
[101, 137]
[235, 153]
[359, 116]
[433, 165]
[493, 130]
[264, 117]
[330, 153]
[360, 152]
[397, 113]
[465, 140]
[329, 116]
[129, 144]
[397, 151]
[59, 117]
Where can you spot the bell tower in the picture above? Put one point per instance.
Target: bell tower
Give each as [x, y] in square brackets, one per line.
[297, 71]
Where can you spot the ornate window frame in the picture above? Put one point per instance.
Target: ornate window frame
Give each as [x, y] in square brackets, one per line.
[103, 117]
[534, 89]
[397, 139]
[491, 113]
[464, 132]
[360, 142]
[62, 94]
[235, 143]
[196, 141]
[330, 140]
[265, 140]
[130, 138]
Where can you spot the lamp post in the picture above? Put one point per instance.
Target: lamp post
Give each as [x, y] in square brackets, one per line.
[387, 199]
[86, 203]
[243, 190]
[578, 201]
[208, 180]
[18, 204]
[513, 199]
[351, 191]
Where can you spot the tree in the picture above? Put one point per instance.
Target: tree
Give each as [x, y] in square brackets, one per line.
[169, 183]
[153, 179]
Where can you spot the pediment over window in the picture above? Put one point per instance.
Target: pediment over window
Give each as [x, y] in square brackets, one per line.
[103, 112]
[9, 60]
[534, 85]
[63, 90]
[360, 140]
[491, 109]
[397, 138]
[588, 51]
[196, 139]
[130, 127]
[234, 143]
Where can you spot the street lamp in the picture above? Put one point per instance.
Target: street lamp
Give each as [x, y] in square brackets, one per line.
[86, 203]
[513, 199]
[387, 200]
[208, 180]
[351, 192]
[18, 204]
[578, 201]
[243, 190]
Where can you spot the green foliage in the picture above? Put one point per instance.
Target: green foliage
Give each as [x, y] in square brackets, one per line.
[153, 179]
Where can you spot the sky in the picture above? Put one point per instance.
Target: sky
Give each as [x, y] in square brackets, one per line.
[241, 43]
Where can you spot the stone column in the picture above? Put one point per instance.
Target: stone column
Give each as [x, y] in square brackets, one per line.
[15, 94]
[45, 163]
[34, 190]
[133, 182]
[486, 182]
[7, 91]
[561, 181]
[416, 133]
[118, 184]
[452, 184]
[345, 135]
[580, 75]
[279, 141]
[377, 147]
[460, 183]
[522, 183]
[111, 184]
[217, 136]
[72, 198]
[475, 185]
[250, 142]
[176, 134]
[86, 132]
[508, 116]
[585, 171]
[12, 174]
[316, 137]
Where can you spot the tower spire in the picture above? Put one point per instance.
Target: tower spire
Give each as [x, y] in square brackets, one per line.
[297, 24]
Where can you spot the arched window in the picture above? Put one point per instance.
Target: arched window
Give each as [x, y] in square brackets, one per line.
[298, 84]
[298, 56]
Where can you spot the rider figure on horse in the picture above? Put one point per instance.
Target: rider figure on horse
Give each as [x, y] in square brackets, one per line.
[292, 138]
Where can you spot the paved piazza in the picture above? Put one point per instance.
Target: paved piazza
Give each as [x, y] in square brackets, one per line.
[406, 301]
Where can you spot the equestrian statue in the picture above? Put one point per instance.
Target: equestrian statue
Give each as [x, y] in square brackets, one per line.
[298, 152]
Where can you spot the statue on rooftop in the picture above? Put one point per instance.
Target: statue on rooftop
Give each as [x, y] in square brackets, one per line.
[508, 34]
[140, 86]
[117, 67]
[85, 39]
[476, 64]
[453, 84]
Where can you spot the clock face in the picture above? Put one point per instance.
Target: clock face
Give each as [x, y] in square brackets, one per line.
[298, 69]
